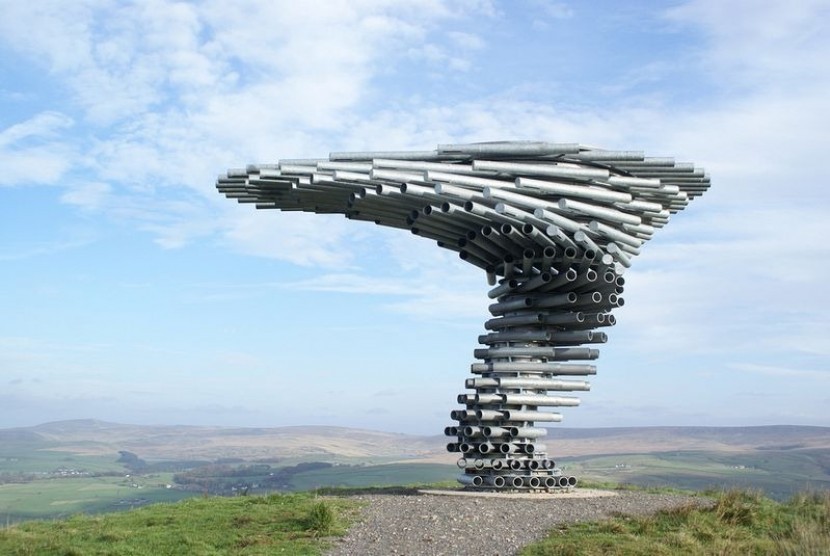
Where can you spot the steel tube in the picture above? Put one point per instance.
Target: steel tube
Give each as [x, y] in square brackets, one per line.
[472, 480]
[528, 432]
[539, 400]
[510, 148]
[532, 416]
[554, 369]
[551, 353]
[542, 383]
[516, 336]
[580, 191]
[495, 480]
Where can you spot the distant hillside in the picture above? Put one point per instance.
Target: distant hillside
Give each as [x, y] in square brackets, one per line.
[91, 437]
[177, 442]
[57, 469]
[643, 440]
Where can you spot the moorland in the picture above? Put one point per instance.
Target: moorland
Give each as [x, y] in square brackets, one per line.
[86, 466]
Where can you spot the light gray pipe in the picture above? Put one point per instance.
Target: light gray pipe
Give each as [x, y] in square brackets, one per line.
[495, 480]
[528, 432]
[573, 336]
[535, 283]
[486, 447]
[502, 288]
[555, 300]
[550, 353]
[489, 415]
[554, 369]
[600, 213]
[510, 148]
[505, 306]
[531, 416]
[543, 384]
[564, 318]
[471, 480]
[570, 190]
[539, 400]
[496, 432]
[507, 322]
[470, 431]
[515, 336]
[498, 464]
[517, 481]
[422, 167]
[494, 234]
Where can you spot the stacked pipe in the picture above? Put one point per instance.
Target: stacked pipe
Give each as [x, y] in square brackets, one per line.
[553, 225]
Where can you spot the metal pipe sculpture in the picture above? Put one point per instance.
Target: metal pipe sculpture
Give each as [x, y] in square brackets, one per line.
[553, 226]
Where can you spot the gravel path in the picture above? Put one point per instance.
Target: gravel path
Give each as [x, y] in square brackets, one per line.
[440, 525]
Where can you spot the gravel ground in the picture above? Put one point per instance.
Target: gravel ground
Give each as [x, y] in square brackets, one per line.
[438, 525]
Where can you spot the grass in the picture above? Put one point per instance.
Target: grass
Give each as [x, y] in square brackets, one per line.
[53, 498]
[50, 497]
[737, 522]
[780, 474]
[374, 475]
[293, 524]
[740, 522]
[16, 457]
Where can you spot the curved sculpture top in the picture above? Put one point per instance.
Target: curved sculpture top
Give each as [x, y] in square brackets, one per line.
[554, 225]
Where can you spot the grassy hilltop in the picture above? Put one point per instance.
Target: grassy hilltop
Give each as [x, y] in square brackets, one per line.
[288, 524]
[738, 523]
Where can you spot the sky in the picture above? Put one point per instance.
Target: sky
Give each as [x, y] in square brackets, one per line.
[132, 291]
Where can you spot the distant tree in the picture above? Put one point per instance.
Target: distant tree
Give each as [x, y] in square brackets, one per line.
[131, 460]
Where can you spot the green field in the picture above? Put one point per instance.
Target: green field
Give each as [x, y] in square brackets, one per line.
[53, 498]
[779, 474]
[738, 523]
[42, 478]
[294, 524]
[37, 459]
[375, 475]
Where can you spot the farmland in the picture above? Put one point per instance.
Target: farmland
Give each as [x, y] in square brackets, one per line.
[61, 469]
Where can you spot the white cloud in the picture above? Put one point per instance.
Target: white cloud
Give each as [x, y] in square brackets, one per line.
[769, 370]
[763, 43]
[552, 9]
[303, 239]
[430, 283]
[91, 195]
[33, 151]
[467, 41]
[174, 93]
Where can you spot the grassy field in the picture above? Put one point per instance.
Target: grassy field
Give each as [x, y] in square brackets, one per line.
[54, 498]
[36, 459]
[375, 475]
[741, 522]
[779, 474]
[295, 524]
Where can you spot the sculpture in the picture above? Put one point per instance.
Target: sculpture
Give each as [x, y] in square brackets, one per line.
[553, 226]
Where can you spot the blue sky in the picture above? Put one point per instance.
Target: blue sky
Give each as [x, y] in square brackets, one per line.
[132, 291]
